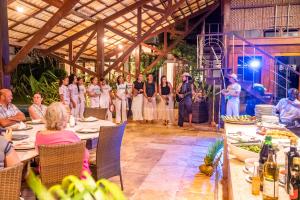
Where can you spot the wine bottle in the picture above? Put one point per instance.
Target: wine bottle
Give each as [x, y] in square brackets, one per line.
[263, 156]
[270, 177]
[294, 188]
[289, 161]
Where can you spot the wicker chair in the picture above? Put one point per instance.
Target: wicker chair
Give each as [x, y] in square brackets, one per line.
[107, 163]
[99, 113]
[10, 182]
[59, 161]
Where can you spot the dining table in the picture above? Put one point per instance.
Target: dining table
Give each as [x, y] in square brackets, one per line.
[26, 150]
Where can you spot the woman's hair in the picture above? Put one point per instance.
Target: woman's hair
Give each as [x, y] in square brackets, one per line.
[92, 79]
[78, 79]
[56, 116]
[102, 79]
[61, 80]
[137, 78]
[118, 79]
[71, 78]
[161, 79]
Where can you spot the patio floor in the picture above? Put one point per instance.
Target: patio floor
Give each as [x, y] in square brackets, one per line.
[160, 162]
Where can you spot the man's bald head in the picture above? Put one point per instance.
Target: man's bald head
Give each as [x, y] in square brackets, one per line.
[5, 96]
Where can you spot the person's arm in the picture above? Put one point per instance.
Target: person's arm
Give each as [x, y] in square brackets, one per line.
[159, 91]
[145, 94]
[171, 88]
[33, 115]
[18, 117]
[11, 157]
[178, 90]
[297, 105]
[193, 91]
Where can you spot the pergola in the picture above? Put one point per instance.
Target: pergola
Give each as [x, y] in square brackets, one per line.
[100, 30]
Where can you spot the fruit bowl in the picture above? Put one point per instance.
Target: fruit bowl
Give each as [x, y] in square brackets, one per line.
[240, 153]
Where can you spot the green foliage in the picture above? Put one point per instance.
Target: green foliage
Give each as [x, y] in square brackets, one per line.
[214, 149]
[47, 85]
[75, 189]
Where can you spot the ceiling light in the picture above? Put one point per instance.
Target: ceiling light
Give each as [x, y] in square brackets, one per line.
[120, 46]
[20, 9]
[104, 39]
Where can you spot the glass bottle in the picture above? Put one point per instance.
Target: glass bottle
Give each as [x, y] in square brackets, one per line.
[263, 156]
[294, 188]
[270, 177]
[289, 162]
[256, 180]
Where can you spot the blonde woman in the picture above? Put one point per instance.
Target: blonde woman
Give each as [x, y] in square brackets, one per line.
[166, 105]
[150, 91]
[56, 122]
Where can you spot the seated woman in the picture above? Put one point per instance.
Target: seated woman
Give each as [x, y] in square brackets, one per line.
[37, 110]
[8, 156]
[56, 121]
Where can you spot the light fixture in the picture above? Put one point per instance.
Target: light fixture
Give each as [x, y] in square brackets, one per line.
[120, 46]
[20, 9]
[104, 39]
[254, 63]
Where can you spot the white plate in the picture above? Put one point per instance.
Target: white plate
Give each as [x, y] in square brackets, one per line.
[87, 130]
[24, 146]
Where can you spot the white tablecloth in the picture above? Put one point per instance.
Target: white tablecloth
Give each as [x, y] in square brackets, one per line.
[29, 154]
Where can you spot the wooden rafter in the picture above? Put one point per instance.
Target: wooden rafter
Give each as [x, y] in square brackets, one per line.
[155, 9]
[84, 45]
[62, 12]
[142, 38]
[93, 27]
[190, 29]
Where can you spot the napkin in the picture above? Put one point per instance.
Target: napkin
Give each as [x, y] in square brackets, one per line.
[91, 119]
[22, 125]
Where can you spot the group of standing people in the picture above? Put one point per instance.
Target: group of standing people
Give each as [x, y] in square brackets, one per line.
[145, 100]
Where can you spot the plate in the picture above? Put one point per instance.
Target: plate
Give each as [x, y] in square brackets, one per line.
[35, 122]
[87, 130]
[88, 120]
[23, 129]
[17, 137]
[24, 146]
[240, 122]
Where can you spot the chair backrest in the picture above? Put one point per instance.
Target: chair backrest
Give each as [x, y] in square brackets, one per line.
[59, 161]
[10, 182]
[99, 113]
[108, 151]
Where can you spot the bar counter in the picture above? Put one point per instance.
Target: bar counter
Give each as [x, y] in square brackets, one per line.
[237, 187]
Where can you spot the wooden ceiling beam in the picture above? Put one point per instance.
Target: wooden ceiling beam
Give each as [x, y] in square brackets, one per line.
[62, 12]
[76, 66]
[153, 48]
[83, 47]
[142, 38]
[174, 43]
[120, 33]
[93, 27]
[155, 9]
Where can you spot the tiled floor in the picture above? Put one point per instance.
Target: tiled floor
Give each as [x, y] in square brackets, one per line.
[161, 163]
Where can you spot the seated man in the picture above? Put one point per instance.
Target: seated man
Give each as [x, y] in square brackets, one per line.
[9, 113]
[289, 108]
[37, 110]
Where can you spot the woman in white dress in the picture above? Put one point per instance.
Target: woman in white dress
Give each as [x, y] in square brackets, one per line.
[94, 93]
[64, 93]
[150, 91]
[166, 105]
[121, 103]
[138, 98]
[82, 92]
[74, 95]
[105, 100]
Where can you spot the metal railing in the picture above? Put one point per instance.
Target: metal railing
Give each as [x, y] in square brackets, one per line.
[230, 48]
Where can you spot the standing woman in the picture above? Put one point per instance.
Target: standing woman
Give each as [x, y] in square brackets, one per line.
[74, 95]
[94, 93]
[166, 104]
[82, 92]
[150, 90]
[138, 98]
[121, 103]
[64, 93]
[105, 100]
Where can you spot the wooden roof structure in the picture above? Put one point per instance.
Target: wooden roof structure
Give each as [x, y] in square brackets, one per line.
[95, 29]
